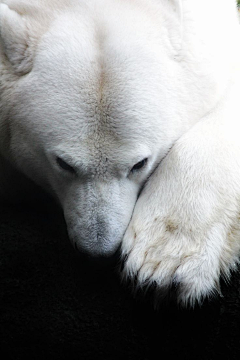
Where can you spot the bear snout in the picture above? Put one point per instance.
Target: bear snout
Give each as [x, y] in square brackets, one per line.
[99, 259]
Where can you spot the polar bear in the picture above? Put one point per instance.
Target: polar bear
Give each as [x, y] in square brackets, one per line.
[127, 112]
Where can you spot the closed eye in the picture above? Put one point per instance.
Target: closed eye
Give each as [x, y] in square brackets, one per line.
[65, 166]
[139, 165]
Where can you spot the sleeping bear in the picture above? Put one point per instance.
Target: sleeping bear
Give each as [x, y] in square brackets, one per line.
[127, 112]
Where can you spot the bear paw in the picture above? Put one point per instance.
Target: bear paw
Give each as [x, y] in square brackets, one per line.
[176, 261]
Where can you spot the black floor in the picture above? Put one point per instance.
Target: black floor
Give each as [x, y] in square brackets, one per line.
[54, 306]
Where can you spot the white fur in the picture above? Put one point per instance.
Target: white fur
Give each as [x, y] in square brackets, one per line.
[105, 84]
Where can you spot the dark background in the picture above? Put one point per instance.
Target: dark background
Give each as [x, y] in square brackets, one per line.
[55, 306]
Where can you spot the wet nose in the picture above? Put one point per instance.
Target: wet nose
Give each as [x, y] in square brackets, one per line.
[100, 261]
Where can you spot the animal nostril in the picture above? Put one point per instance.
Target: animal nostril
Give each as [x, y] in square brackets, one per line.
[99, 261]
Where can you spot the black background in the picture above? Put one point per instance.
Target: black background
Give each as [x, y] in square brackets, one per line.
[55, 306]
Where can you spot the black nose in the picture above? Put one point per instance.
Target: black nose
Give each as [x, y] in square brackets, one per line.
[100, 261]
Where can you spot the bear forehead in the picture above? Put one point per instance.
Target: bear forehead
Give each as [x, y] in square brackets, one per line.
[91, 88]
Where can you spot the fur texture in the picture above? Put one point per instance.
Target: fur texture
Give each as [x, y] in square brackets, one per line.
[127, 112]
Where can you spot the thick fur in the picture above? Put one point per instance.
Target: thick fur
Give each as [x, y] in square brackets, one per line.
[102, 85]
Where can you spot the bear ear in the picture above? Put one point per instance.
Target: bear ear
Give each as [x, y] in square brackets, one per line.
[14, 40]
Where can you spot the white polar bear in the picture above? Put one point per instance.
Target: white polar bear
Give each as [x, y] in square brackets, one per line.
[113, 103]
